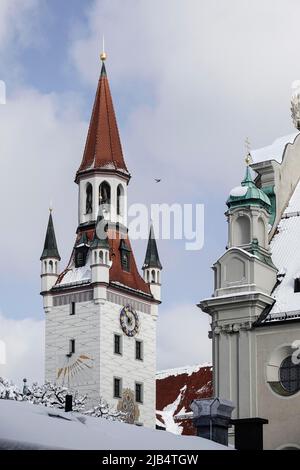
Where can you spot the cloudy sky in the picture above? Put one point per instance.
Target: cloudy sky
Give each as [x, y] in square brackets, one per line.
[190, 80]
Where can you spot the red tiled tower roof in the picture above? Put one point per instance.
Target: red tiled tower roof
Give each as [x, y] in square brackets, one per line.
[103, 148]
[130, 278]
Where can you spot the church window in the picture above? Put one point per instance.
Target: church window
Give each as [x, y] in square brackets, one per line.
[104, 196]
[51, 266]
[242, 231]
[125, 261]
[139, 350]
[72, 308]
[118, 344]
[153, 276]
[261, 232]
[297, 285]
[81, 255]
[117, 387]
[80, 259]
[101, 256]
[125, 256]
[120, 196]
[138, 392]
[89, 199]
[72, 346]
[289, 374]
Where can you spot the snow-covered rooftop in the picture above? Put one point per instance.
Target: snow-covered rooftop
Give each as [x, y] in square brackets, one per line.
[75, 275]
[27, 426]
[275, 151]
[286, 257]
[189, 370]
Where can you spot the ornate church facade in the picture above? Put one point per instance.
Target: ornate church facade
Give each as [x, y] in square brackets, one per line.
[100, 312]
[255, 307]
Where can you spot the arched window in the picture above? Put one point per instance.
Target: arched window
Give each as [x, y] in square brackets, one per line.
[89, 199]
[120, 200]
[95, 257]
[261, 233]
[148, 276]
[51, 266]
[45, 266]
[101, 257]
[153, 276]
[242, 231]
[104, 196]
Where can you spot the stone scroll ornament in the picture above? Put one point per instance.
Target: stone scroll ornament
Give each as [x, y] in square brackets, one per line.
[128, 406]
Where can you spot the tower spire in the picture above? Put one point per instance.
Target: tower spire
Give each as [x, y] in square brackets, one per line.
[152, 258]
[103, 150]
[50, 246]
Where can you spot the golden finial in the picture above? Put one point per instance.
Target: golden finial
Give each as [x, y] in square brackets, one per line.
[248, 158]
[103, 54]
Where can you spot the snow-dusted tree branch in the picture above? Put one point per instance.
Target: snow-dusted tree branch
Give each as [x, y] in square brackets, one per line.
[54, 396]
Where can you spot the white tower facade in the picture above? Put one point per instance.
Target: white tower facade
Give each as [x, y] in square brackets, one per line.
[100, 313]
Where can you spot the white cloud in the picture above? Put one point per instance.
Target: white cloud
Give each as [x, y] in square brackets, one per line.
[214, 73]
[17, 21]
[42, 137]
[182, 337]
[24, 345]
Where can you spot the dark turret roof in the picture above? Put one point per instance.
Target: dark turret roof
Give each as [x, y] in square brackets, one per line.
[152, 258]
[50, 247]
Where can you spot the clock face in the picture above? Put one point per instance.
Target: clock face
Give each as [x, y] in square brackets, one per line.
[129, 321]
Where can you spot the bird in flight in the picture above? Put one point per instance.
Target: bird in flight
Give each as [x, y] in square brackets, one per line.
[157, 180]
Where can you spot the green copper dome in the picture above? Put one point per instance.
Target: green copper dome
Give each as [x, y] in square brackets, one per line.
[248, 194]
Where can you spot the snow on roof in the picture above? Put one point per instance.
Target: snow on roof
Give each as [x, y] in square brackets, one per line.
[24, 425]
[75, 275]
[239, 191]
[275, 151]
[294, 202]
[286, 257]
[189, 370]
[176, 389]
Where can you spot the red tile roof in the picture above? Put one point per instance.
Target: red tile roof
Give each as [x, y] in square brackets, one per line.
[180, 387]
[131, 279]
[103, 148]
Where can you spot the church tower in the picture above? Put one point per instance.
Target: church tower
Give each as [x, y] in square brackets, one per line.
[244, 279]
[100, 313]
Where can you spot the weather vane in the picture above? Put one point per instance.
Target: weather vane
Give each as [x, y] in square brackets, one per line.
[248, 158]
[103, 53]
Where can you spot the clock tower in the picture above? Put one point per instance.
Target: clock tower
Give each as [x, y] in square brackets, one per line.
[100, 313]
